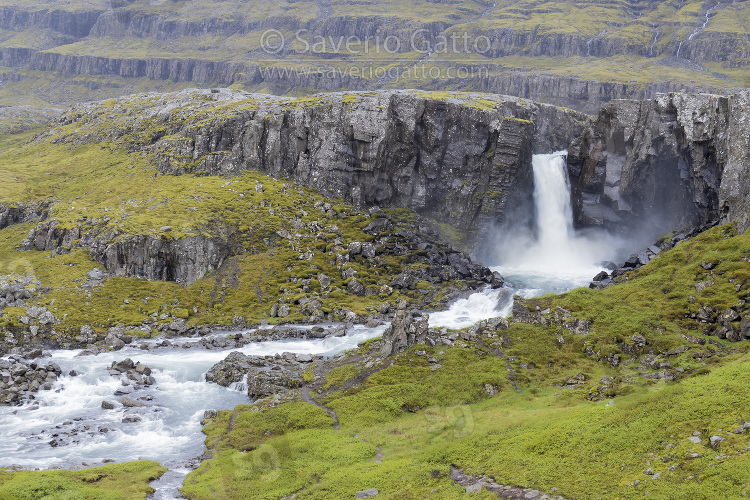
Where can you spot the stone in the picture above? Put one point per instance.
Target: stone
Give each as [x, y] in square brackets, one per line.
[601, 276]
[355, 287]
[368, 250]
[304, 358]
[639, 341]
[716, 441]
[324, 281]
[370, 493]
[132, 403]
[404, 331]
[474, 488]
[107, 405]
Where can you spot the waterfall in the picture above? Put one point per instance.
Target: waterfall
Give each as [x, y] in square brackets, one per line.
[554, 257]
[554, 213]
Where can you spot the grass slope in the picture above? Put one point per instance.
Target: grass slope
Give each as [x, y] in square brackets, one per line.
[128, 481]
[404, 426]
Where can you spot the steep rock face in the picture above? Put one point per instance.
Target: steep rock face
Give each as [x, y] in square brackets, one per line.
[662, 158]
[680, 159]
[448, 159]
[734, 196]
[157, 258]
[580, 94]
[23, 212]
[584, 95]
[76, 23]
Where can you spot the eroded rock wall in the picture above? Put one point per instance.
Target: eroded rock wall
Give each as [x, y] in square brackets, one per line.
[446, 159]
[660, 159]
[680, 160]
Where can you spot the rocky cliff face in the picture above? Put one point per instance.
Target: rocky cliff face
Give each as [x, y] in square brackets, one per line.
[23, 212]
[573, 92]
[734, 194]
[457, 158]
[461, 159]
[678, 159]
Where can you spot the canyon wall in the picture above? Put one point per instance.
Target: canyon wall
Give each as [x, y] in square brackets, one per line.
[682, 160]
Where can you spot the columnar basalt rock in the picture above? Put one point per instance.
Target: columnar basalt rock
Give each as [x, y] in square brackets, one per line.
[663, 160]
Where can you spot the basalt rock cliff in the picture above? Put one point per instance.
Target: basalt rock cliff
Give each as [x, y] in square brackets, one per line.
[678, 160]
[458, 158]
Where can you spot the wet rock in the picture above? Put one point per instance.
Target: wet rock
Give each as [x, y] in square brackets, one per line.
[131, 403]
[603, 275]
[21, 376]
[263, 376]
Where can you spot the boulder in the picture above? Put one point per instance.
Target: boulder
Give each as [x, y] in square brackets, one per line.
[404, 331]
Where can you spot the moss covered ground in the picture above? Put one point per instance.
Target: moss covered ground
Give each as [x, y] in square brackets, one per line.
[427, 409]
[110, 482]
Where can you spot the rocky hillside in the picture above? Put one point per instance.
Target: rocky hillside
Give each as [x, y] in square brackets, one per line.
[171, 212]
[575, 54]
[179, 199]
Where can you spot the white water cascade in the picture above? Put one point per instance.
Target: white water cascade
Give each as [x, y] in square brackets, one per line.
[555, 259]
[554, 213]
[67, 427]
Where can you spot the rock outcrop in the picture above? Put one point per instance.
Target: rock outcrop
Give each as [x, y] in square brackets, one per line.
[144, 256]
[407, 329]
[23, 212]
[262, 376]
[21, 376]
[678, 160]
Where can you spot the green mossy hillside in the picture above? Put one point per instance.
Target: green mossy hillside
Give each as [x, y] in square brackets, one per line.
[534, 405]
[128, 481]
[681, 294]
[282, 240]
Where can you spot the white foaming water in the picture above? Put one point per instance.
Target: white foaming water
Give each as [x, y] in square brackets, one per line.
[476, 307]
[558, 258]
[552, 200]
[169, 431]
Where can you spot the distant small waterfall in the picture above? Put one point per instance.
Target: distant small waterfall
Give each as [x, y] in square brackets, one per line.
[554, 213]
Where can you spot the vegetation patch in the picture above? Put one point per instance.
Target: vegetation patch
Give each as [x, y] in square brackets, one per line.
[109, 482]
